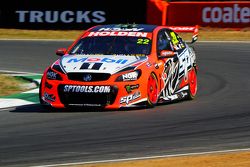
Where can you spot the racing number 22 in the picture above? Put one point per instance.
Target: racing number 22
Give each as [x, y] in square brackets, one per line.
[143, 41]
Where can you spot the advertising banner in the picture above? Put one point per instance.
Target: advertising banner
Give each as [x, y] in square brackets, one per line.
[209, 14]
[224, 14]
[73, 14]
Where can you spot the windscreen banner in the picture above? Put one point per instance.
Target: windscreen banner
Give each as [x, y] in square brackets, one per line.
[73, 14]
[226, 14]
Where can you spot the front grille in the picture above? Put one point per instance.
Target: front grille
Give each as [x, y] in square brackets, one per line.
[85, 99]
[89, 77]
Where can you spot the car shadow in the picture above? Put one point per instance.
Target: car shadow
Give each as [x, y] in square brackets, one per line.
[37, 108]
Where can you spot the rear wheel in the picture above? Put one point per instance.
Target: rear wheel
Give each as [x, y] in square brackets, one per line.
[152, 90]
[192, 90]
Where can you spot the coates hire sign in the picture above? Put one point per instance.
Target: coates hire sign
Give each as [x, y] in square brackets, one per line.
[213, 14]
[65, 14]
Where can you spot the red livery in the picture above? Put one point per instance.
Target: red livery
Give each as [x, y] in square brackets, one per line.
[122, 65]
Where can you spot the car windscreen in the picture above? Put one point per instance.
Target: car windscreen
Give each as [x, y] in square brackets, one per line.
[113, 45]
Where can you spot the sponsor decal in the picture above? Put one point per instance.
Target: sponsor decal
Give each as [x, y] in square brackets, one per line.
[149, 64]
[119, 33]
[129, 98]
[174, 70]
[179, 28]
[156, 66]
[120, 29]
[86, 89]
[228, 14]
[49, 97]
[51, 75]
[170, 77]
[105, 60]
[132, 76]
[167, 53]
[186, 61]
[129, 88]
[61, 16]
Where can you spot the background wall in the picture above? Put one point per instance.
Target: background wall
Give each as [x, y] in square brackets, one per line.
[69, 14]
[82, 14]
[222, 14]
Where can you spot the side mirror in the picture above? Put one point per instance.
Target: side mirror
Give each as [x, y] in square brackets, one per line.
[167, 54]
[61, 51]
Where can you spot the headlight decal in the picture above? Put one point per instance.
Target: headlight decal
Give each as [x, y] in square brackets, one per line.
[57, 66]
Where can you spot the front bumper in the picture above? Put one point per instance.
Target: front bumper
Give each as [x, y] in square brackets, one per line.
[80, 97]
[121, 94]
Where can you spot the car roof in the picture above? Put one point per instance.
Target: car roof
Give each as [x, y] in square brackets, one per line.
[124, 27]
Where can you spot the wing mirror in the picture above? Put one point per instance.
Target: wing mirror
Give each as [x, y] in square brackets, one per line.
[167, 54]
[61, 51]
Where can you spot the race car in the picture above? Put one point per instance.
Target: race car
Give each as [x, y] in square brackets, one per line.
[122, 65]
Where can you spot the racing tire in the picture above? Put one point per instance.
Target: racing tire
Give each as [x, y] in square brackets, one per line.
[152, 91]
[192, 85]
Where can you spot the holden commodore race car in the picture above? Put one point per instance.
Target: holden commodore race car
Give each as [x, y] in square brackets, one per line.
[122, 65]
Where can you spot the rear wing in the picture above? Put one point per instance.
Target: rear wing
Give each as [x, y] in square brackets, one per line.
[193, 29]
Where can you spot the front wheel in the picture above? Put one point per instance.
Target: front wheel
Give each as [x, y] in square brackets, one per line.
[152, 90]
[192, 90]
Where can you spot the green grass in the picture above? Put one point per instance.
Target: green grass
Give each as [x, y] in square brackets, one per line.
[39, 34]
[11, 85]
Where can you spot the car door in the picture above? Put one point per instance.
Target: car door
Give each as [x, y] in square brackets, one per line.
[170, 41]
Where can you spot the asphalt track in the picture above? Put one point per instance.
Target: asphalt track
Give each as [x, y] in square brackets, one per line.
[218, 119]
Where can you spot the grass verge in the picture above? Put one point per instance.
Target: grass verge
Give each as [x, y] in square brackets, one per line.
[11, 85]
[205, 34]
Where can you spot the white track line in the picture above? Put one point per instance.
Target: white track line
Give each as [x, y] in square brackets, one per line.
[7, 103]
[145, 158]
